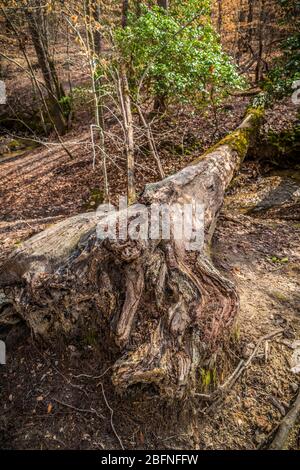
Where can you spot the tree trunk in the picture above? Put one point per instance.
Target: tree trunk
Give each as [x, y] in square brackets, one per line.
[125, 7]
[97, 33]
[163, 4]
[250, 22]
[159, 310]
[129, 134]
[36, 22]
[261, 27]
[220, 16]
[159, 105]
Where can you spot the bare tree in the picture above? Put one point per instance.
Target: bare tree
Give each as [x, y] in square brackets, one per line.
[129, 135]
[38, 26]
[261, 29]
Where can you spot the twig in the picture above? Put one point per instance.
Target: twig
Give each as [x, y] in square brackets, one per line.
[80, 410]
[244, 364]
[111, 417]
[151, 142]
[94, 377]
[48, 360]
[216, 397]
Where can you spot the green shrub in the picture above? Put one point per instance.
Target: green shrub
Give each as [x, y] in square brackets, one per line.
[177, 54]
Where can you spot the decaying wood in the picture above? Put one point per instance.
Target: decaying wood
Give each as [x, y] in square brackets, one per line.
[159, 310]
[286, 426]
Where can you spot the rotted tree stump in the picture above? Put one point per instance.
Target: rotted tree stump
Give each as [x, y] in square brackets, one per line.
[160, 310]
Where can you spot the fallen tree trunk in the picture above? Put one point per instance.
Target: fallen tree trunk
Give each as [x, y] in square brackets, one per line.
[160, 310]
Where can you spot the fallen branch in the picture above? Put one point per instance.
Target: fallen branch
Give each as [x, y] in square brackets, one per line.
[251, 92]
[280, 441]
[216, 397]
[243, 365]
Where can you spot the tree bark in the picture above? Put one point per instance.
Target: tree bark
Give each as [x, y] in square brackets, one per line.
[159, 310]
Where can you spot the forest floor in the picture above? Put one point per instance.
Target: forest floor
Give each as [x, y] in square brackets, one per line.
[63, 398]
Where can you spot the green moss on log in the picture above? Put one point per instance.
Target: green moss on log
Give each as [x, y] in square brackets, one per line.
[240, 139]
